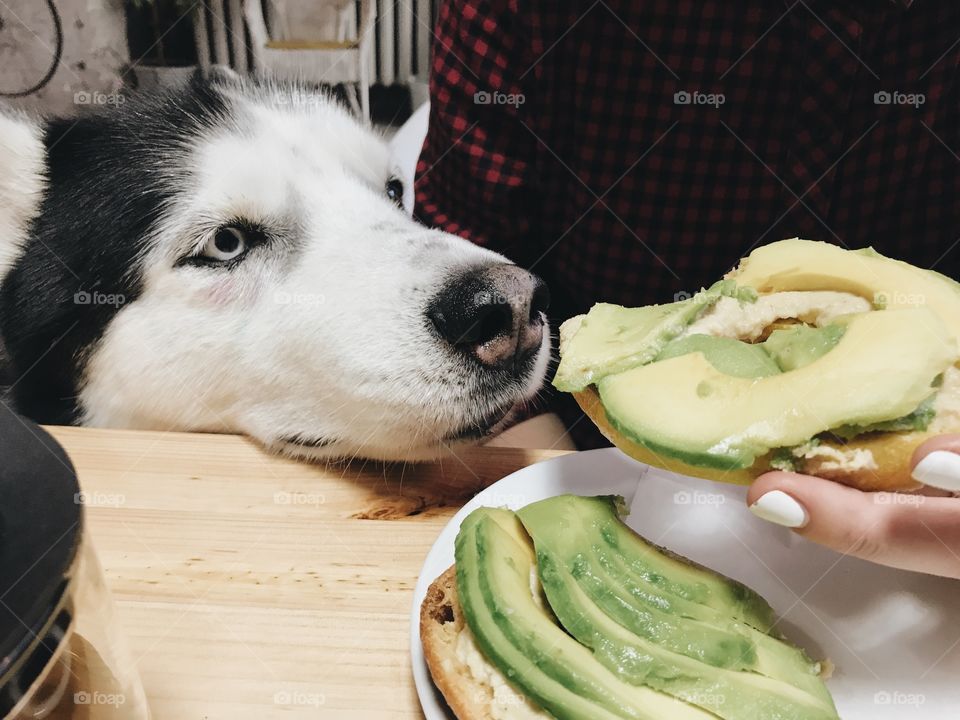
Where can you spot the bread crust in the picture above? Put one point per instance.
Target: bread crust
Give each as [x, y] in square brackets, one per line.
[441, 621]
[892, 453]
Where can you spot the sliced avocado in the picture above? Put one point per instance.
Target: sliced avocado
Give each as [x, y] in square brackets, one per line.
[579, 532]
[784, 459]
[881, 369]
[917, 421]
[494, 564]
[633, 604]
[646, 591]
[612, 338]
[729, 356]
[667, 576]
[887, 283]
[797, 346]
[722, 666]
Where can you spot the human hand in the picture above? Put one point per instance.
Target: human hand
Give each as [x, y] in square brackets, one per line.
[915, 531]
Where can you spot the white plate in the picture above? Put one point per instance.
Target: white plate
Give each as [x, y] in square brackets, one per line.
[894, 636]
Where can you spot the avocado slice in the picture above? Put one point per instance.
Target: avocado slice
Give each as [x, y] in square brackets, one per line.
[887, 283]
[727, 693]
[798, 346]
[572, 536]
[494, 561]
[611, 338]
[786, 349]
[672, 577]
[917, 421]
[561, 527]
[729, 356]
[882, 368]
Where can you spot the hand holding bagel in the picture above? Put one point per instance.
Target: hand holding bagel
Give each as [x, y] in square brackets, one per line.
[919, 532]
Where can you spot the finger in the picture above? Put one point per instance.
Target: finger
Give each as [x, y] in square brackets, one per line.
[914, 532]
[937, 463]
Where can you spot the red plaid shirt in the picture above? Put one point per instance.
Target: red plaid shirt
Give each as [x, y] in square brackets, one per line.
[628, 151]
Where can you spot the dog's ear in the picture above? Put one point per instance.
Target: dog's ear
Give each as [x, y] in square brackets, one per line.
[22, 180]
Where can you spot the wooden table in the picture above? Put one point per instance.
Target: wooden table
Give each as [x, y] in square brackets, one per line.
[250, 586]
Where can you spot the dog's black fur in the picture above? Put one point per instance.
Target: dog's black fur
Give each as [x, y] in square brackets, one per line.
[102, 198]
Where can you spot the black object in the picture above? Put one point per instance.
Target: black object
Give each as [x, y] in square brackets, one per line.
[160, 32]
[40, 528]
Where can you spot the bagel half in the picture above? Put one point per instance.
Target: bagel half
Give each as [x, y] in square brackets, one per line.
[848, 282]
[891, 454]
[441, 622]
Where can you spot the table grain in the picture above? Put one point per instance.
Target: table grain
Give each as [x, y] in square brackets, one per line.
[252, 586]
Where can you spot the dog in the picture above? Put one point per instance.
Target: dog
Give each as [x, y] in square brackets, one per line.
[230, 256]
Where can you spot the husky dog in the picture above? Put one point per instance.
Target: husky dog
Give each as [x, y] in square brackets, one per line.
[231, 257]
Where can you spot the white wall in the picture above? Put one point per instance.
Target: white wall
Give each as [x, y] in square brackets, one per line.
[94, 57]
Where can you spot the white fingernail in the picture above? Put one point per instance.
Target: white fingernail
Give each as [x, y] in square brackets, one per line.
[940, 469]
[778, 507]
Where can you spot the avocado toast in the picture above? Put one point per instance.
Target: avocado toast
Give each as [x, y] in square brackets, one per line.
[560, 610]
[807, 357]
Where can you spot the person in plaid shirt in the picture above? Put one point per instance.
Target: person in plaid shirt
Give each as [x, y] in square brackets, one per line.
[631, 152]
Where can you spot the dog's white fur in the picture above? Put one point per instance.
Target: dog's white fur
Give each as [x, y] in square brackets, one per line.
[21, 183]
[322, 335]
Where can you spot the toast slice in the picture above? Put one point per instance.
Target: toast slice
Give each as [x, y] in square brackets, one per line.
[441, 622]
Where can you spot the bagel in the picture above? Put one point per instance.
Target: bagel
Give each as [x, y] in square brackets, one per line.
[635, 374]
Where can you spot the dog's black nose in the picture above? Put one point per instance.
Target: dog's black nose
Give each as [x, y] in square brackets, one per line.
[493, 313]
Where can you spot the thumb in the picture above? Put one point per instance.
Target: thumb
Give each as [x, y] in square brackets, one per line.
[913, 532]
[936, 463]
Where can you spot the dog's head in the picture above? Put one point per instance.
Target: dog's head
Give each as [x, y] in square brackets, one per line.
[232, 258]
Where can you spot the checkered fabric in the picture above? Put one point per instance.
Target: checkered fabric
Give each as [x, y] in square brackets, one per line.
[629, 151]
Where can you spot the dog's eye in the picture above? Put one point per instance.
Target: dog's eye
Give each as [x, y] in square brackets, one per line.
[226, 246]
[395, 190]
[226, 243]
